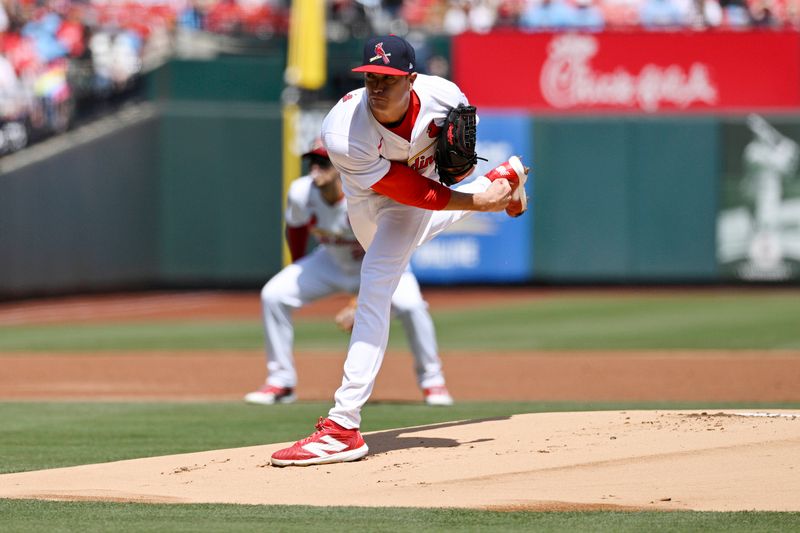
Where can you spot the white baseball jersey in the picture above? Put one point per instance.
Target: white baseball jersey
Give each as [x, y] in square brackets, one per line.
[361, 148]
[331, 226]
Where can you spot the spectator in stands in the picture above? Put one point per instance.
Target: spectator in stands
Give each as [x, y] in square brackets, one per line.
[620, 13]
[13, 102]
[658, 14]
[588, 16]
[762, 14]
[509, 12]
[350, 19]
[456, 18]
[701, 14]
[191, 17]
[5, 22]
[482, 16]
[543, 15]
[479, 16]
[70, 33]
[224, 16]
[735, 14]
[792, 14]
[43, 34]
[712, 13]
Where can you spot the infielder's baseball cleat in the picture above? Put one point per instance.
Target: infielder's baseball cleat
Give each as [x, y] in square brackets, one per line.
[331, 443]
[437, 396]
[270, 395]
[517, 175]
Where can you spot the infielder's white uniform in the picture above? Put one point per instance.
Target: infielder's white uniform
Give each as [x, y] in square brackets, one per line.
[334, 266]
[361, 149]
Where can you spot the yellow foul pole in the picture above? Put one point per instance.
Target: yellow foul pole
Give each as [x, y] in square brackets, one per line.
[305, 70]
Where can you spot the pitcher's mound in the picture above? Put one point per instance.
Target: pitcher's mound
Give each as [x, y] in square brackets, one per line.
[715, 461]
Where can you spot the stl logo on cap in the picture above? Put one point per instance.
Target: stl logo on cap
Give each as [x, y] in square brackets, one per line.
[380, 54]
[389, 55]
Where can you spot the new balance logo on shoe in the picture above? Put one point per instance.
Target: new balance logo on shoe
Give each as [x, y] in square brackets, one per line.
[331, 443]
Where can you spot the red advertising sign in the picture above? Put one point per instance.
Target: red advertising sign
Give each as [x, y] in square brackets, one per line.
[647, 72]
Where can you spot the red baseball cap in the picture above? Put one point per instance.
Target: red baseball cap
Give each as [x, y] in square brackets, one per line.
[388, 54]
[317, 148]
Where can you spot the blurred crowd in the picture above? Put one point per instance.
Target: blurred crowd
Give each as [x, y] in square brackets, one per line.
[61, 59]
[58, 57]
[452, 17]
[458, 16]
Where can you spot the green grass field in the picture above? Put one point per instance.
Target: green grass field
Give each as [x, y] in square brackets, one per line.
[751, 320]
[27, 516]
[36, 435]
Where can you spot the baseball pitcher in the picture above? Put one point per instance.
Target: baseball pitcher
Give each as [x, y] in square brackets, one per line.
[404, 185]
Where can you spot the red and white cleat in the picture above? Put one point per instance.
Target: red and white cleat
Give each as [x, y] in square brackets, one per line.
[517, 175]
[270, 394]
[331, 443]
[437, 396]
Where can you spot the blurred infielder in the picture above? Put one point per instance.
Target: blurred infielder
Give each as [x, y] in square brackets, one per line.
[316, 205]
[393, 141]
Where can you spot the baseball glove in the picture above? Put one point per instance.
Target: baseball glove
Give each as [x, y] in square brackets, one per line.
[455, 148]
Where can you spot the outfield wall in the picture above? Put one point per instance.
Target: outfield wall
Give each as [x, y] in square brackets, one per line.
[189, 194]
[220, 193]
[83, 217]
[624, 199]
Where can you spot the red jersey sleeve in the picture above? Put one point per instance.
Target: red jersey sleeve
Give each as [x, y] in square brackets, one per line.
[408, 187]
[297, 240]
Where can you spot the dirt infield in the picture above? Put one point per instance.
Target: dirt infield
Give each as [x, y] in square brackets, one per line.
[545, 376]
[713, 376]
[635, 460]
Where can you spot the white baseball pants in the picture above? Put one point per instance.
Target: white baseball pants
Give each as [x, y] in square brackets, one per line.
[390, 233]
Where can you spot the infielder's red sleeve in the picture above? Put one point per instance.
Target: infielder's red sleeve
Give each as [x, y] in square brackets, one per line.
[297, 240]
[408, 187]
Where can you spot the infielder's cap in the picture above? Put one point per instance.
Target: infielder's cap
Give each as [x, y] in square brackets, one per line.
[388, 54]
[317, 148]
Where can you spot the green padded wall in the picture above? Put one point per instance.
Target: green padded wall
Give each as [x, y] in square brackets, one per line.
[625, 199]
[581, 230]
[229, 78]
[675, 181]
[84, 218]
[220, 192]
